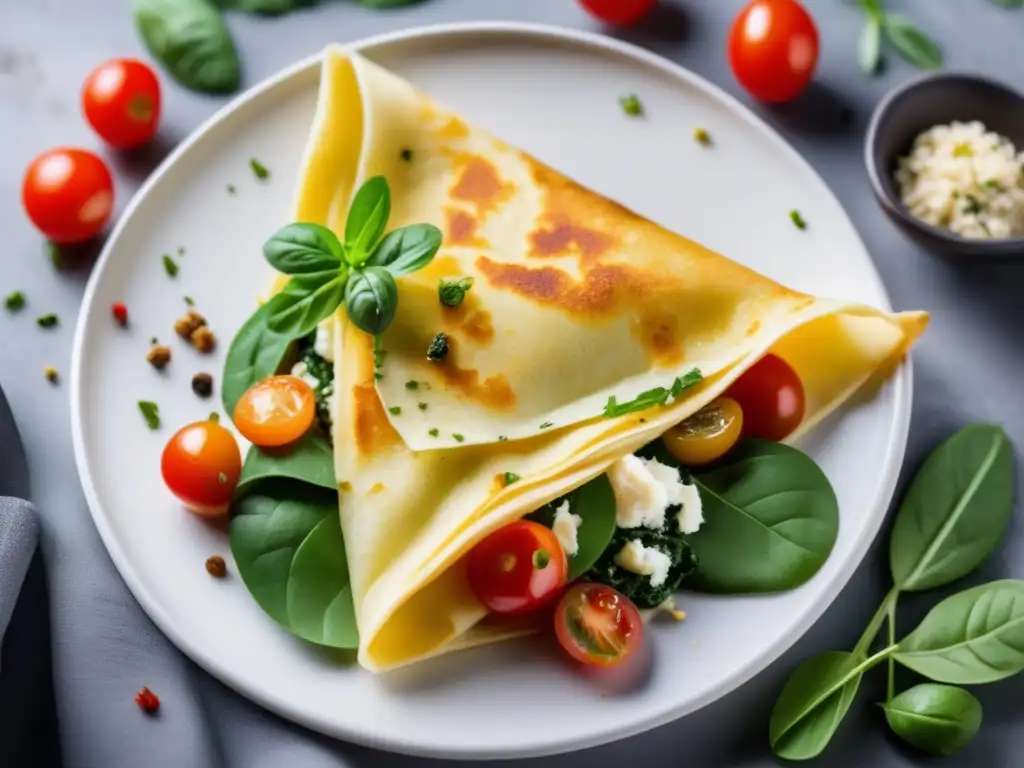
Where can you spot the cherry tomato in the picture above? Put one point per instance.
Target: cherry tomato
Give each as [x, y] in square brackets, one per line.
[773, 49]
[708, 434]
[68, 194]
[597, 625]
[619, 13]
[121, 101]
[772, 398]
[276, 411]
[201, 464]
[518, 568]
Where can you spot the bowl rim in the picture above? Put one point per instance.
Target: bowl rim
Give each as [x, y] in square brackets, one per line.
[891, 203]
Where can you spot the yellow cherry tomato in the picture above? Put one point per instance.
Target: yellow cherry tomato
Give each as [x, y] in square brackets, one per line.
[708, 434]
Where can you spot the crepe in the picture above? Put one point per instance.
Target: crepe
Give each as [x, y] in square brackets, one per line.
[575, 299]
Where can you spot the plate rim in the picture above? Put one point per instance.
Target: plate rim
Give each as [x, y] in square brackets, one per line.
[902, 384]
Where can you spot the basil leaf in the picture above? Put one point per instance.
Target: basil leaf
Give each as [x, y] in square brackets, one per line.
[301, 249]
[873, 8]
[371, 299]
[975, 636]
[938, 719]
[305, 301]
[911, 43]
[190, 39]
[955, 511]
[594, 502]
[367, 219]
[407, 249]
[265, 7]
[310, 460]
[291, 557]
[256, 352]
[1010, 3]
[869, 49]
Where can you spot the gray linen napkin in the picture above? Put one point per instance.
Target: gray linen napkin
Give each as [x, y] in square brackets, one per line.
[19, 534]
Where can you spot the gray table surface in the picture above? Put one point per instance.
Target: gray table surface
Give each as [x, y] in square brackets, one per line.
[968, 367]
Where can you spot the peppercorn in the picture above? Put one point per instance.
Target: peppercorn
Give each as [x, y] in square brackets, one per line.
[120, 313]
[216, 567]
[148, 701]
[159, 356]
[202, 384]
[187, 324]
[203, 339]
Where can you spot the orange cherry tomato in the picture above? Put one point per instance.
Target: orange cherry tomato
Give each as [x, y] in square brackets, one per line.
[276, 411]
[772, 398]
[773, 49]
[121, 101]
[68, 194]
[201, 465]
[518, 568]
[708, 434]
[598, 625]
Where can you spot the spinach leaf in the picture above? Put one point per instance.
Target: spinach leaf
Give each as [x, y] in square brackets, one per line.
[367, 219]
[975, 636]
[371, 299]
[911, 43]
[594, 502]
[310, 460]
[955, 511]
[256, 352]
[265, 7]
[305, 301]
[771, 519]
[302, 248]
[407, 249]
[190, 39]
[290, 554]
[938, 719]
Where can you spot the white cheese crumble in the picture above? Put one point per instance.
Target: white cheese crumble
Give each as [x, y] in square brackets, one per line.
[691, 514]
[644, 489]
[302, 371]
[323, 343]
[645, 561]
[565, 527]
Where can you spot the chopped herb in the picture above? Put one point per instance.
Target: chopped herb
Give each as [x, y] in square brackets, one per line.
[993, 184]
[231, 189]
[502, 439]
[259, 169]
[963, 150]
[702, 137]
[684, 382]
[541, 559]
[50, 373]
[378, 375]
[407, 155]
[438, 349]
[47, 321]
[433, 432]
[378, 352]
[631, 105]
[652, 397]
[154, 341]
[222, 478]
[181, 250]
[395, 410]
[547, 424]
[412, 385]
[510, 477]
[169, 266]
[214, 417]
[15, 301]
[458, 438]
[151, 413]
[972, 205]
[190, 301]
[422, 406]
[797, 219]
[452, 292]
[54, 254]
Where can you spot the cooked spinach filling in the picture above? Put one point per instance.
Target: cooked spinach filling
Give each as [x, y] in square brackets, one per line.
[323, 372]
[635, 586]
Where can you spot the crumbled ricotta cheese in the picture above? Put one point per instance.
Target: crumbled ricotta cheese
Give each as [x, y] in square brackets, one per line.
[565, 527]
[691, 515]
[645, 561]
[644, 489]
[302, 371]
[323, 343]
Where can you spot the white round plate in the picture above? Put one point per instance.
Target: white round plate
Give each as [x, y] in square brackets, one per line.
[554, 93]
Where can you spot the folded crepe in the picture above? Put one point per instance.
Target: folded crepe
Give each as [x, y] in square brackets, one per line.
[575, 299]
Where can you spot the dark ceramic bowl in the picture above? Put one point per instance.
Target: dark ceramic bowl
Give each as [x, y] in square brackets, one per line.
[913, 108]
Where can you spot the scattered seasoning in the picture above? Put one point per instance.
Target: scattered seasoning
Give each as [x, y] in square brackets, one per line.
[148, 701]
[510, 477]
[120, 313]
[181, 250]
[412, 385]
[453, 292]
[378, 375]
[169, 266]
[259, 169]
[458, 438]
[51, 374]
[972, 204]
[158, 356]
[203, 339]
[14, 301]
[422, 406]
[231, 189]
[433, 432]
[47, 321]
[993, 184]
[395, 410]
[502, 439]
[438, 349]
[222, 478]
[702, 137]
[797, 219]
[216, 567]
[189, 301]
[541, 559]
[214, 417]
[188, 323]
[963, 150]
[151, 413]
[202, 384]
[631, 105]
[53, 253]
[153, 340]
[547, 424]
[407, 155]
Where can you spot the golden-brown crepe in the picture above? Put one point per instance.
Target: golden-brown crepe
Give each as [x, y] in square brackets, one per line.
[575, 299]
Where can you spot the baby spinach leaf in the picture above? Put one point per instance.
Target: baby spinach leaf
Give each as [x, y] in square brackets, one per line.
[367, 219]
[302, 248]
[975, 636]
[594, 502]
[771, 519]
[305, 301]
[371, 299]
[191, 40]
[291, 557]
[956, 509]
[310, 460]
[911, 43]
[256, 352]
[407, 249]
[938, 719]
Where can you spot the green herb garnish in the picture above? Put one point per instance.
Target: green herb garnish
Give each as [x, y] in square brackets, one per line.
[231, 189]
[438, 349]
[652, 397]
[993, 184]
[407, 155]
[452, 292]
[797, 219]
[189, 301]
[412, 385]
[47, 321]
[546, 425]
[53, 253]
[963, 150]
[395, 410]
[151, 413]
[433, 432]
[631, 105]
[510, 477]
[14, 301]
[422, 406]
[502, 438]
[701, 136]
[169, 266]
[259, 169]
[214, 417]
[972, 205]
[181, 250]
[458, 438]
[541, 559]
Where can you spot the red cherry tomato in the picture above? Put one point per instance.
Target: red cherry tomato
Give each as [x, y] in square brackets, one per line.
[276, 411]
[201, 464]
[68, 194]
[121, 101]
[597, 625]
[518, 568]
[772, 398]
[619, 13]
[773, 49]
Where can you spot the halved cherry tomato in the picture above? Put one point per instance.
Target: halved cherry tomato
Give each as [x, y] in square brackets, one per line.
[708, 434]
[773, 49]
[619, 13]
[68, 194]
[276, 411]
[518, 568]
[121, 101]
[201, 465]
[598, 625]
[772, 398]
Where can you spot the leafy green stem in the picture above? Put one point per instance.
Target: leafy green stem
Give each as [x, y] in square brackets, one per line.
[888, 604]
[890, 686]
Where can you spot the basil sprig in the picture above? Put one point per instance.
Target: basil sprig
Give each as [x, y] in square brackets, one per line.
[913, 45]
